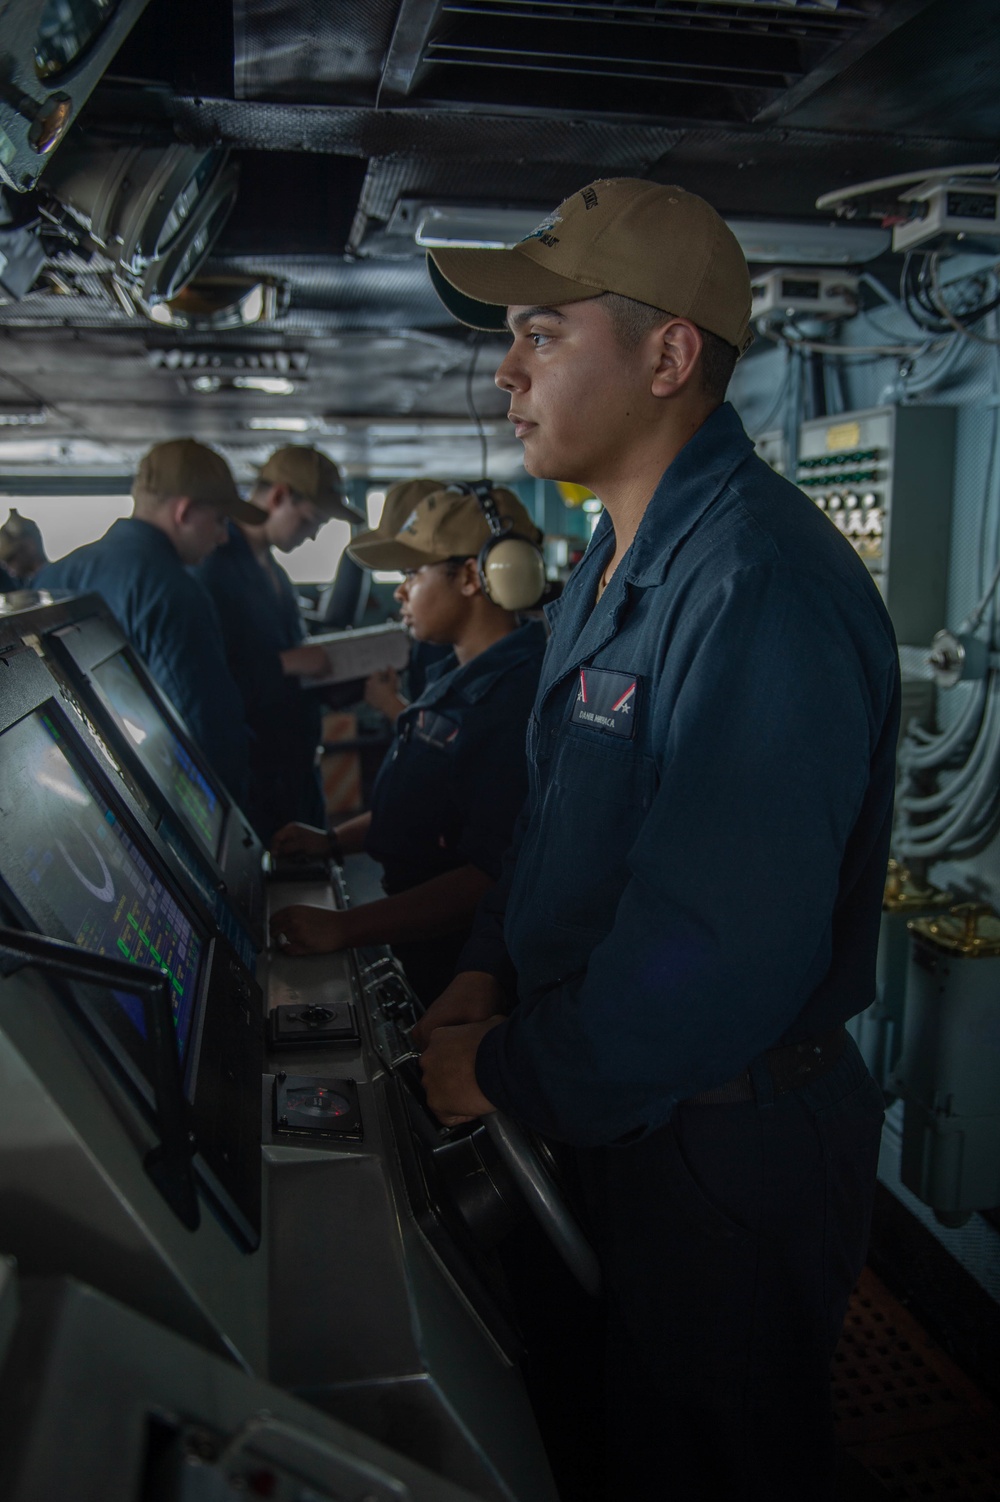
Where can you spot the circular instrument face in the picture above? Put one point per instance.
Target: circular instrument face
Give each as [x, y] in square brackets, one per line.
[312, 1016]
[66, 30]
[319, 1102]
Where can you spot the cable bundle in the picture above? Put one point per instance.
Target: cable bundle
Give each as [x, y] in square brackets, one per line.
[961, 816]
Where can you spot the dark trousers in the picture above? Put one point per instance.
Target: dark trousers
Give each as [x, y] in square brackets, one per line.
[731, 1240]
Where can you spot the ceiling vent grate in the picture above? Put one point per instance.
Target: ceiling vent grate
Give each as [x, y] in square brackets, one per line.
[697, 58]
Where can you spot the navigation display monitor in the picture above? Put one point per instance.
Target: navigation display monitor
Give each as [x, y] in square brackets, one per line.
[179, 777]
[72, 866]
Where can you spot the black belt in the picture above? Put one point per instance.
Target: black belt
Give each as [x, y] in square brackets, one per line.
[792, 1065]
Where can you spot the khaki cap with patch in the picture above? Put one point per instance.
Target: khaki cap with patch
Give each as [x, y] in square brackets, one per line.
[313, 476]
[183, 466]
[660, 245]
[445, 524]
[400, 499]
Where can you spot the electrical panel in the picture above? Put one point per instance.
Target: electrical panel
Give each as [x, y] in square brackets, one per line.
[884, 479]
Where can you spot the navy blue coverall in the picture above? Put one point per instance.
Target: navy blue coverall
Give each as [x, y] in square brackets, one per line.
[260, 620]
[453, 781]
[170, 620]
[697, 879]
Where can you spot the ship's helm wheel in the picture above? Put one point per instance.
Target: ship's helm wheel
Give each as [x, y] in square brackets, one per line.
[533, 1177]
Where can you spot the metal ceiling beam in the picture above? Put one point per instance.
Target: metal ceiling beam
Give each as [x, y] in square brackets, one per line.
[359, 131]
[414, 24]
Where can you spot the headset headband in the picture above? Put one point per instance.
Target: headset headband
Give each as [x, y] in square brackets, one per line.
[483, 491]
[514, 581]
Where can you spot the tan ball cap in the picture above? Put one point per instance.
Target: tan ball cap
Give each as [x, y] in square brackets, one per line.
[445, 524]
[660, 245]
[312, 475]
[400, 499]
[183, 466]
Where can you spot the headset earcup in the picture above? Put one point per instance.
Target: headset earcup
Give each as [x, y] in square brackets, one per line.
[512, 572]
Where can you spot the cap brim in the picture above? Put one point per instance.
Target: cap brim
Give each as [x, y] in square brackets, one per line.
[362, 539]
[340, 511]
[478, 286]
[243, 511]
[334, 509]
[387, 553]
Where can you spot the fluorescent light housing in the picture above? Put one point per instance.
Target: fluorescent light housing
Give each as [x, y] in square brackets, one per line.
[485, 229]
[279, 424]
[23, 415]
[229, 362]
[271, 385]
[791, 243]
[459, 226]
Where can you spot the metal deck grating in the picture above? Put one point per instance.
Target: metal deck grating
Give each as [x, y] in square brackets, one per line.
[905, 1412]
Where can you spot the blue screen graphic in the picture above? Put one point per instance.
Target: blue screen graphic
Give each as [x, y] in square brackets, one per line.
[78, 874]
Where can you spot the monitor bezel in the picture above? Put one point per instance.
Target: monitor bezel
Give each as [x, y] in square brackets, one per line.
[234, 873]
[108, 790]
[28, 683]
[57, 635]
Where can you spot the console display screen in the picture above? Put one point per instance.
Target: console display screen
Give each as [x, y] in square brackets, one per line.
[74, 869]
[181, 780]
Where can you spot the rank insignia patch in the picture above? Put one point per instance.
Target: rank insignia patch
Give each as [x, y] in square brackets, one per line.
[434, 729]
[606, 701]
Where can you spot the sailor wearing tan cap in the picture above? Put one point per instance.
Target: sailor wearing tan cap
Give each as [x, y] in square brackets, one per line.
[183, 493]
[297, 492]
[382, 690]
[663, 978]
[447, 795]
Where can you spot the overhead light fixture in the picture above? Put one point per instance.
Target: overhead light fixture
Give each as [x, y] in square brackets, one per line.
[155, 210]
[53, 55]
[229, 362]
[270, 385]
[479, 228]
[279, 424]
[23, 415]
[458, 226]
[797, 243]
[406, 429]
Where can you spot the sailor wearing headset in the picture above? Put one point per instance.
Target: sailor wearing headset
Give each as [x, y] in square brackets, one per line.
[449, 791]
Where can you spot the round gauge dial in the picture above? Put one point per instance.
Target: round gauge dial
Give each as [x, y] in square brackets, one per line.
[66, 30]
